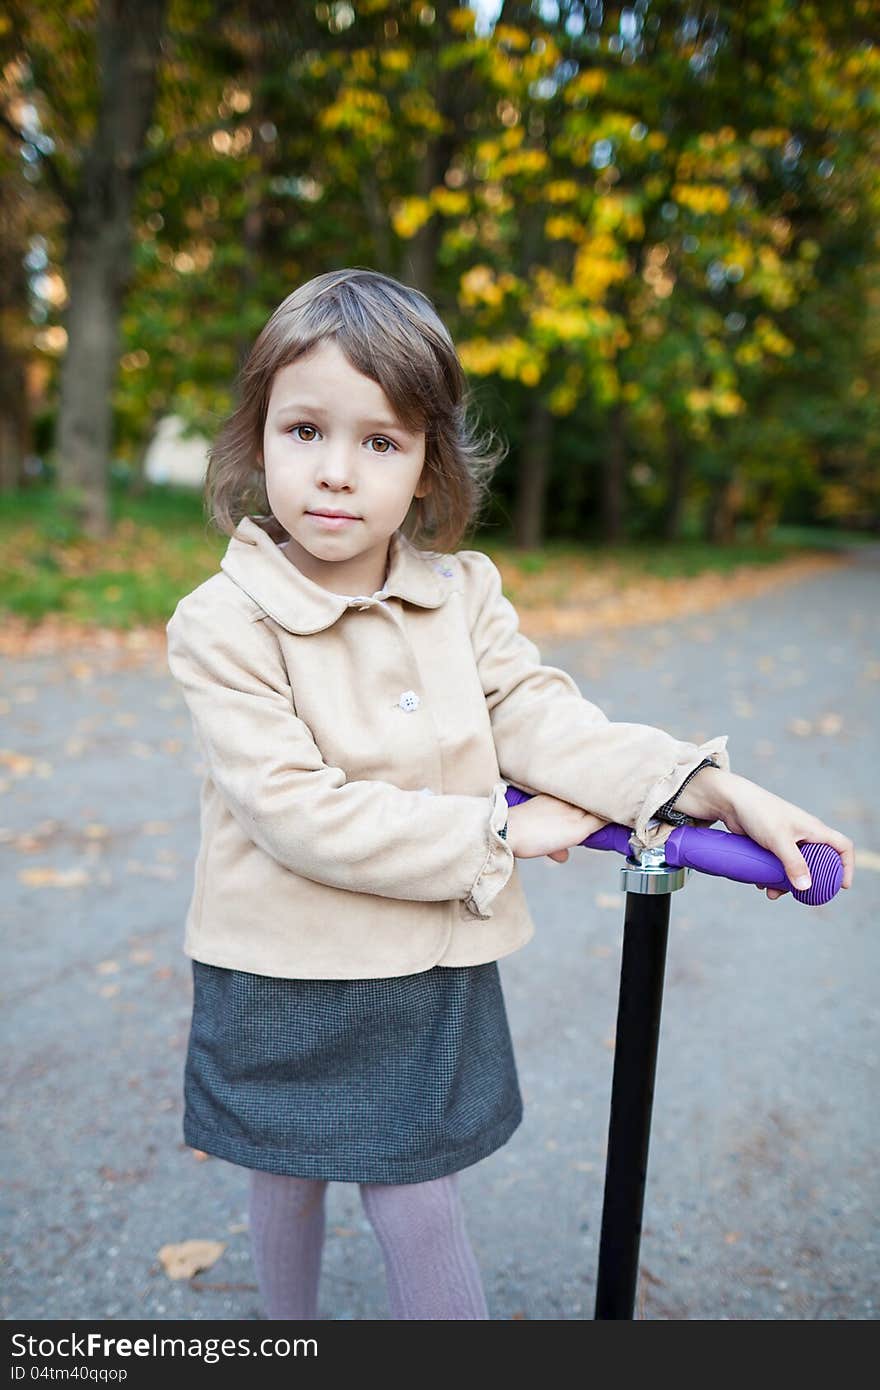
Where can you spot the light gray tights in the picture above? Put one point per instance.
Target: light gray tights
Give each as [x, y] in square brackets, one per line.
[429, 1264]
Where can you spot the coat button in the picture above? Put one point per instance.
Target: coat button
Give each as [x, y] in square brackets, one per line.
[409, 700]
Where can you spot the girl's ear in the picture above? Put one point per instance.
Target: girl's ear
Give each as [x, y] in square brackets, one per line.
[423, 487]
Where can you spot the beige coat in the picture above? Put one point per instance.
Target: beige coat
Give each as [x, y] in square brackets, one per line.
[356, 755]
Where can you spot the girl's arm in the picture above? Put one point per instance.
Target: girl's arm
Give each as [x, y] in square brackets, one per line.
[549, 738]
[366, 836]
[769, 820]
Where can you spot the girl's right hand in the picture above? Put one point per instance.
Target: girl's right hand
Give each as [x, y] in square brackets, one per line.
[546, 825]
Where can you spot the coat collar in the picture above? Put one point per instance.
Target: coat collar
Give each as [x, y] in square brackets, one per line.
[256, 564]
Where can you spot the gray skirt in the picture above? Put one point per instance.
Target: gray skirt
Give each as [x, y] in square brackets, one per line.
[393, 1080]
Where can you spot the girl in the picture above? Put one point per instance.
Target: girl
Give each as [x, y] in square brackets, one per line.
[361, 702]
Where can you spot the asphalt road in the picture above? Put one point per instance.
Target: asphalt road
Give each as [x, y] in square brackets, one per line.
[762, 1197]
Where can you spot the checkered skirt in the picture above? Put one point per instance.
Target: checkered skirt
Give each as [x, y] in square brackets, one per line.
[392, 1080]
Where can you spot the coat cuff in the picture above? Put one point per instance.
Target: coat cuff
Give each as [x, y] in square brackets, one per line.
[499, 861]
[650, 833]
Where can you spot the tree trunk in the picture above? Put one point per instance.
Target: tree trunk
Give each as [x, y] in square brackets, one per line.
[677, 485]
[534, 465]
[455, 94]
[612, 476]
[16, 433]
[722, 511]
[766, 516]
[99, 262]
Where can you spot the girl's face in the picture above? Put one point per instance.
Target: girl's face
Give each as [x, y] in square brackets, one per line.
[331, 443]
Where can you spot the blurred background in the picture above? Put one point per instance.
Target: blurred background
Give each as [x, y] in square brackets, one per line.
[652, 231]
[651, 228]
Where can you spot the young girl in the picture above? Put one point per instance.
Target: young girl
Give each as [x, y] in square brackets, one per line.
[361, 702]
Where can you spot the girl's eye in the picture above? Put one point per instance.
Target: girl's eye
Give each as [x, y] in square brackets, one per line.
[389, 442]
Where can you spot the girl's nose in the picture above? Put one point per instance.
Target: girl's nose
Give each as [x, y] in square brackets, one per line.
[336, 466]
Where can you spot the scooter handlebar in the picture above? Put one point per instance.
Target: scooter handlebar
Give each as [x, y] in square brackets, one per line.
[725, 855]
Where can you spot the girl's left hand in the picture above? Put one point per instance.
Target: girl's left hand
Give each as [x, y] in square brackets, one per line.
[780, 826]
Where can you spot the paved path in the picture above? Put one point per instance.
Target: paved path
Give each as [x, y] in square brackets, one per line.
[762, 1191]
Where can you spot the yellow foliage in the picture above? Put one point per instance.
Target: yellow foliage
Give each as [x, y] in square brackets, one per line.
[563, 399]
[748, 354]
[420, 111]
[771, 339]
[409, 215]
[566, 325]
[452, 202]
[595, 271]
[523, 162]
[511, 357]
[766, 139]
[479, 286]
[702, 198]
[359, 110]
[719, 402]
[557, 228]
[461, 21]
[394, 59]
[561, 191]
[616, 212]
[586, 84]
[514, 38]
[728, 403]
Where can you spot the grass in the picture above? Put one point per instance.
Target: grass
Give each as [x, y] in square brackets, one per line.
[161, 547]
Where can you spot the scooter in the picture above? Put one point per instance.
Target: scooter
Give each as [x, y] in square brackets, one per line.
[649, 877]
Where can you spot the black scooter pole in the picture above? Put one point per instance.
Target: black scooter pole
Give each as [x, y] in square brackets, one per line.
[648, 883]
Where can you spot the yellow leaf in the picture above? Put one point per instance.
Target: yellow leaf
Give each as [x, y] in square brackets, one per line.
[53, 878]
[185, 1259]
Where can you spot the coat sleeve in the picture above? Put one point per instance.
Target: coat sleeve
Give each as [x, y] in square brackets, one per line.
[550, 738]
[365, 836]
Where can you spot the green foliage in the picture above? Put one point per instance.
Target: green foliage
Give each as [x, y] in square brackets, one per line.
[673, 230]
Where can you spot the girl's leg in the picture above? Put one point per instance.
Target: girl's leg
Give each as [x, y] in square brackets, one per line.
[287, 1238]
[431, 1269]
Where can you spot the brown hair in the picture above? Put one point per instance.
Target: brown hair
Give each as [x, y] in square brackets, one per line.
[392, 334]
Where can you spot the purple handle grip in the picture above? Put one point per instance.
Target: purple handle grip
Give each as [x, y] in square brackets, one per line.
[725, 855]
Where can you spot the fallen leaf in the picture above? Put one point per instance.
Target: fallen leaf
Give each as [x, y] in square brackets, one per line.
[19, 764]
[801, 727]
[183, 1260]
[53, 878]
[830, 724]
